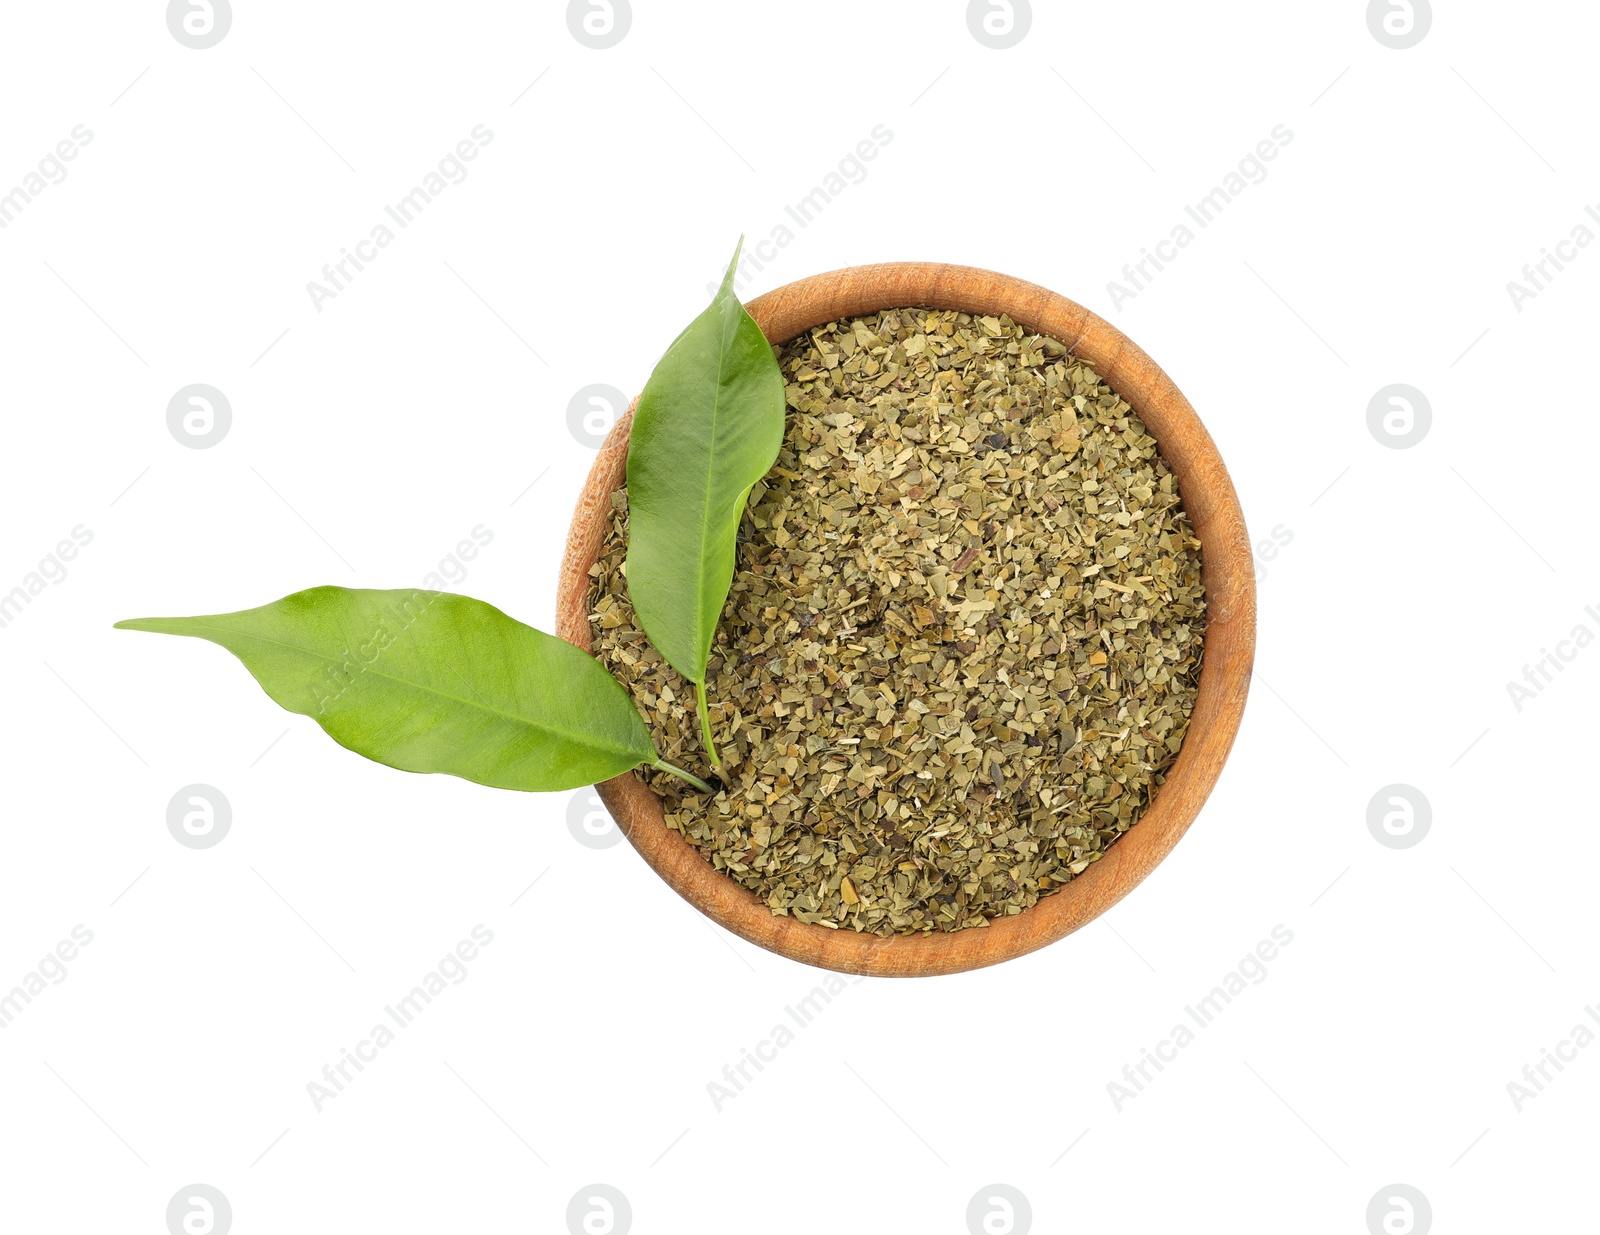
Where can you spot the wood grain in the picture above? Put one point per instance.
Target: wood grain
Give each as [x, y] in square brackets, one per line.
[1230, 636]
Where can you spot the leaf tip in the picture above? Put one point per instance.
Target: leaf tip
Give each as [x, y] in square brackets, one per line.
[157, 626]
[733, 266]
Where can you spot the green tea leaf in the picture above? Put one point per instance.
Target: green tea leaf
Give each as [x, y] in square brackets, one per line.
[708, 426]
[433, 682]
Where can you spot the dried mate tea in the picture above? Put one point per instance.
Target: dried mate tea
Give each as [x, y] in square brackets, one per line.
[964, 636]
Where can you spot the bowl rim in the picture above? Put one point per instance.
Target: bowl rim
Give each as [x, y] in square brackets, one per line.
[1227, 572]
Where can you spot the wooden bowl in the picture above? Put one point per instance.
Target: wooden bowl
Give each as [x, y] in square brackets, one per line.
[1230, 633]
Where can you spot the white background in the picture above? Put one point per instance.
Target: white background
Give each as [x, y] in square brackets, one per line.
[426, 399]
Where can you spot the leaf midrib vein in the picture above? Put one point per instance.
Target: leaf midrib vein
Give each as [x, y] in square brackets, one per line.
[581, 740]
[704, 636]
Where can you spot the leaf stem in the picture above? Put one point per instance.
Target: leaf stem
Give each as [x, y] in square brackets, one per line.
[663, 766]
[705, 728]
